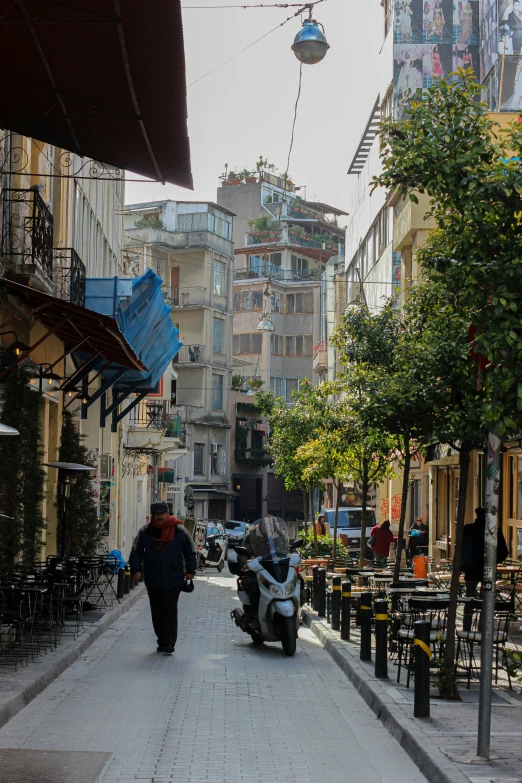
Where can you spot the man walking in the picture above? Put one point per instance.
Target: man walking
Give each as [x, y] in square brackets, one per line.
[166, 554]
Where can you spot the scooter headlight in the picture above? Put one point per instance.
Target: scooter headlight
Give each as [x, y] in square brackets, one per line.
[289, 588]
[276, 589]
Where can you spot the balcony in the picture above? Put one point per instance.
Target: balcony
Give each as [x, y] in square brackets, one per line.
[27, 235]
[149, 415]
[174, 426]
[190, 355]
[294, 235]
[69, 276]
[191, 296]
[276, 273]
[320, 357]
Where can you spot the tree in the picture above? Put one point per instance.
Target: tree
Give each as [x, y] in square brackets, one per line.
[399, 409]
[290, 428]
[22, 477]
[83, 531]
[450, 149]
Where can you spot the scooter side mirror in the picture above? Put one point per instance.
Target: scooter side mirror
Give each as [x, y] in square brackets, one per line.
[297, 543]
[241, 550]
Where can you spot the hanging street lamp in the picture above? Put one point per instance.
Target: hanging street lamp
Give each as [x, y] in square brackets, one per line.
[310, 44]
[265, 324]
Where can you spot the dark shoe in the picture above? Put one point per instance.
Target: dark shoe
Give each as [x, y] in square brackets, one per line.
[161, 648]
[168, 650]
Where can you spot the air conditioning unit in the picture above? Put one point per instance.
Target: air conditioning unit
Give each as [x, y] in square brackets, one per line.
[106, 467]
[213, 448]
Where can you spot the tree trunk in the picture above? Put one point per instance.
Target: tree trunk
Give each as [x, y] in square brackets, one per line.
[316, 547]
[404, 503]
[448, 681]
[365, 487]
[336, 519]
[305, 511]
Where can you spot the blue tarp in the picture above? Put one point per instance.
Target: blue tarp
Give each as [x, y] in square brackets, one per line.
[144, 318]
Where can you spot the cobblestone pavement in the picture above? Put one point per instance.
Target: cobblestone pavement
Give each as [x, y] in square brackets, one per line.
[219, 710]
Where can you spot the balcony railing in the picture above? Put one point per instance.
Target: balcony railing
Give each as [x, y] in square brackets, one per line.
[150, 415]
[27, 231]
[290, 237]
[186, 297]
[69, 275]
[174, 426]
[190, 354]
[276, 273]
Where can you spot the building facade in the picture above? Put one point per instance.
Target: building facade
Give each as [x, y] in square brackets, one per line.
[283, 244]
[189, 246]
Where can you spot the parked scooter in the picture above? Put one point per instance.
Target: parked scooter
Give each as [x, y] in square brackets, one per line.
[212, 546]
[269, 588]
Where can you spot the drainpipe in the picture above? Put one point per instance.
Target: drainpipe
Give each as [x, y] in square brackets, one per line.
[329, 321]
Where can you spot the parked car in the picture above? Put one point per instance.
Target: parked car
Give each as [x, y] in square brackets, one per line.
[349, 524]
[235, 532]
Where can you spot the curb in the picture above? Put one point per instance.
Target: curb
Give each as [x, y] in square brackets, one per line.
[436, 767]
[10, 708]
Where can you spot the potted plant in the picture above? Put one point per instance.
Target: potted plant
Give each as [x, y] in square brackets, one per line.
[233, 178]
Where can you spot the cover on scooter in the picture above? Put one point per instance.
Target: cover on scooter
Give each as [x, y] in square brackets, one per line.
[269, 538]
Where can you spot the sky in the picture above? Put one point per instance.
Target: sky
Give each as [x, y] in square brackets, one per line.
[245, 109]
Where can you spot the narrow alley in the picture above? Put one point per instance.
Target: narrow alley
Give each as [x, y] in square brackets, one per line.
[219, 710]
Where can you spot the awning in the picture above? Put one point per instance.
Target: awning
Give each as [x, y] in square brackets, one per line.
[5, 430]
[99, 334]
[102, 78]
[210, 490]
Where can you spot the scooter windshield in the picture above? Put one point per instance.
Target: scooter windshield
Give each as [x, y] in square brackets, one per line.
[269, 538]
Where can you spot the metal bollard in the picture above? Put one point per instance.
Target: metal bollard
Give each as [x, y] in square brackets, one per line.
[315, 587]
[366, 626]
[336, 603]
[321, 598]
[421, 643]
[121, 579]
[346, 608]
[381, 640]
[126, 581]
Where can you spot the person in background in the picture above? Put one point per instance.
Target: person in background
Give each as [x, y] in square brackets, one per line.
[320, 525]
[473, 547]
[166, 554]
[382, 538]
[417, 534]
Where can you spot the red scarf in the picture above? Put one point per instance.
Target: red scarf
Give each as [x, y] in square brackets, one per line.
[168, 529]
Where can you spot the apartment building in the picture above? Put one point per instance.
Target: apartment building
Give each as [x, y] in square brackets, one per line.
[189, 246]
[282, 246]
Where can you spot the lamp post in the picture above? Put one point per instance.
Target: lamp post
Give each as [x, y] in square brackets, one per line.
[67, 476]
[310, 45]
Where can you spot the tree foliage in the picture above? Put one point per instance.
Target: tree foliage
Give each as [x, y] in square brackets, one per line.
[83, 530]
[22, 477]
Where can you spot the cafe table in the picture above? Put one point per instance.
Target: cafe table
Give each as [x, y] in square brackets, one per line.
[513, 572]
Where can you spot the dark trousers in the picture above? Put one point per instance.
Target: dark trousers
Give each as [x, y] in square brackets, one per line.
[164, 611]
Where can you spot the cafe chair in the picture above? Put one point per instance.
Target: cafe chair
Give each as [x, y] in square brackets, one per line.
[432, 610]
[468, 639]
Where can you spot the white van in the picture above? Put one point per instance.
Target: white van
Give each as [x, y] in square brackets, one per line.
[349, 524]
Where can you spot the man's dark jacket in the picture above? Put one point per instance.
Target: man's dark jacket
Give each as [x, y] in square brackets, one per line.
[166, 568]
[473, 550]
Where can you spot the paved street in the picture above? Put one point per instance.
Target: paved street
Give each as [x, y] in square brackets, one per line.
[219, 710]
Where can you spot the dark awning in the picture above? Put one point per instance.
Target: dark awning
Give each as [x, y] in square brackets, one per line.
[102, 78]
[72, 324]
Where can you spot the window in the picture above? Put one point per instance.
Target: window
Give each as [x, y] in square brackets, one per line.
[217, 392]
[292, 385]
[276, 344]
[246, 301]
[218, 331]
[219, 287]
[276, 386]
[299, 345]
[299, 303]
[199, 450]
[247, 343]
[276, 302]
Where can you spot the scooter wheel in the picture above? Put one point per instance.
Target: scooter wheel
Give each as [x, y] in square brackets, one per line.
[256, 637]
[220, 567]
[289, 638]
